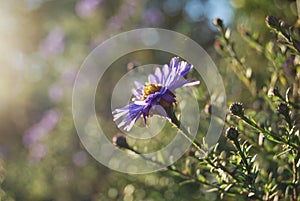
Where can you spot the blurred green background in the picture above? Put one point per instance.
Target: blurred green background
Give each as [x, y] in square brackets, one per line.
[43, 44]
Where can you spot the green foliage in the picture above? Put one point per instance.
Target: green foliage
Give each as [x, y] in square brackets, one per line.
[262, 158]
[263, 161]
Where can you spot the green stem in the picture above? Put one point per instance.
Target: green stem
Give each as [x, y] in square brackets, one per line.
[298, 9]
[295, 176]
[207, 159]
[238, 181]
[194, 179]
[239, 67]
[271, 136]
[237, 145]
[181, 128]
[173, 169]
[144, 157]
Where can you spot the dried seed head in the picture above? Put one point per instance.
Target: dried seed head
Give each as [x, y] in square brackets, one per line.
[237, 109]
[232, 133]
[119, 140]
[272, 22]
[218, 22]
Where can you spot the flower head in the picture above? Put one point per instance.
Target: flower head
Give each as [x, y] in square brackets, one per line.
[120, 141]
[156, 94]
[232, 133]
[237, 109]
[272, 22]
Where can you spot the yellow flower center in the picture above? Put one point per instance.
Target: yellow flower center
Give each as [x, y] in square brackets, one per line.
[153, 88]
[150, 89]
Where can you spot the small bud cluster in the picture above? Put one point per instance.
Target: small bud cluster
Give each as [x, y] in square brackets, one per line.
[218, 22]
[272, 22]
[237, 109]
[284, 29]
[232, 133]
[119, 140]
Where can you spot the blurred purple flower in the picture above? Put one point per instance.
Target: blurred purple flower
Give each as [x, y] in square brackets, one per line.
[80, 158]
[69, 76]
[55, 92]
[128, 9]
[154, 16]
[53, 44]
[38, 151]
[126, 12]
[115, 23]
[84, 8]
[42, 128]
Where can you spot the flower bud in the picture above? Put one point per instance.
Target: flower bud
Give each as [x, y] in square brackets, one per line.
[218, 22]
[272, 22]
[232, 133]
[208, 108]
[237, 109]
[119, 140]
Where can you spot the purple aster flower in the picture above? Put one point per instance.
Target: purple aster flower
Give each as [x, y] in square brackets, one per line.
[156, 94]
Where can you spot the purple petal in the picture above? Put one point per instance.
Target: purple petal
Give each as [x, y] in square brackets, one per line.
[169, 98]
[158, 74]
[177, 84]
[138, 85]
[132, 113]
[157, 109]
[137, 92]
[192, 83]
[185, 69]
[153, 79]
[165, 72]
[171, 78]
[174, 62]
